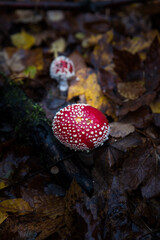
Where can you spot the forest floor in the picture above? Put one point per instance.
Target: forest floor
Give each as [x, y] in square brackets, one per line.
[116, 54]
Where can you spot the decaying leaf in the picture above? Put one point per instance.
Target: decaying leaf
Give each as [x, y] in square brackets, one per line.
[133, 105]
[119, 129]
[155, 106]
[50, 206]
[127, 65]
[58, 46]
[87, 84]
[152, 71]
[55, 16]
[102, 54]
[17, 205]
[28, 16]
[139, 167]
[131, 90]
[23, 40]
[91, 41]
[30, 72]
[139, 43]
[3, 184]
[3, 216]
[19, 60]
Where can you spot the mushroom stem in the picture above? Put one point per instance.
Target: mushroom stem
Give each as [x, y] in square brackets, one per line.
[63, 87]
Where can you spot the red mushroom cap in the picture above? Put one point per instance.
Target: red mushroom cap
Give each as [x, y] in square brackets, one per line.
[62, 67]
[80, 127]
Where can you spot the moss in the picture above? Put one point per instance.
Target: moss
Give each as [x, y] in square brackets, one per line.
[24, 110]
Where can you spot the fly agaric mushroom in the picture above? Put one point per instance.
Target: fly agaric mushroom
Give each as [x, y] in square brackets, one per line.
[80, 127]
[61, 69]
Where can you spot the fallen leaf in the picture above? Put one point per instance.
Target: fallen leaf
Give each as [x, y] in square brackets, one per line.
[28, 16]
[140, 118]
[127, 65]
[18, 60]
[133, 105]
[48, 205]
[3, 216]
[58, 46]
[78, 61]
[128, 143]
[80, 35]
[55, 15]
[107, 80]
[138, 44]
[156, 117]
[139, 167]
[155, 106]
[91, 41]
[152, 63]
[30, 72]
[87, 84]
[119, 129]
[102, 54]
[17, 205]
[131, 90]
[152, 187]
[73, 195]
[23, 40]
[3, 184]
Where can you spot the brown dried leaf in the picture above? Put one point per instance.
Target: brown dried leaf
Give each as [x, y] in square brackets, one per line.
[128, 143]
[103, 52]
[140, 118]
[43, 226]
[73, 195]
[127, 65]
[119, 129]
[152, 70]
[131, 90]
[139, 43]
[19, 59]
[49, 205]
[151, 189]
[133, 105]
[140, 166]
[78, 61]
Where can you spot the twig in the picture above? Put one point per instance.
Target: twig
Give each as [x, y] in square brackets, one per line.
[72, 6]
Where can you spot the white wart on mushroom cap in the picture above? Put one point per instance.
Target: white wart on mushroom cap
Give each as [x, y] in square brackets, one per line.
[80, 127]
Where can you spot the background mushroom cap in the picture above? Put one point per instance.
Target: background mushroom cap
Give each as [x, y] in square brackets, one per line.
[81, 127]
[62, 67]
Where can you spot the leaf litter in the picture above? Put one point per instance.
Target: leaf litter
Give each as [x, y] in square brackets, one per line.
[116, 56]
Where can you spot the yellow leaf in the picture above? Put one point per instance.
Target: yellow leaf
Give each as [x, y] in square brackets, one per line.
[87, 85]
[94, 39]
[30, 72]
[3, 184]
[155, 106]
[17, 205]
[3, 216]
[139, 43]
[23, 40]
[80, 35]
[91, 41]
[58, 46]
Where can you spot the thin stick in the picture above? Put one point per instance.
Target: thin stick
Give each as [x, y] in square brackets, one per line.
[72, 6]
